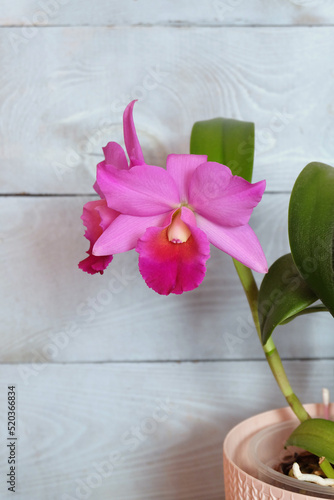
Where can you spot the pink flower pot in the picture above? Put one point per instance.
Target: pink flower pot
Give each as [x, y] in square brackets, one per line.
[247, 453]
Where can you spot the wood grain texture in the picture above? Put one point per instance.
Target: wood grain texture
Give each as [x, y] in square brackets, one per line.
[107, 409]
[168, 12]
[58, 111]
[52, 311]
[161, 425]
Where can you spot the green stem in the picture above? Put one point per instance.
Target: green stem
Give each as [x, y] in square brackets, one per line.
[326, 467]
[272, 356]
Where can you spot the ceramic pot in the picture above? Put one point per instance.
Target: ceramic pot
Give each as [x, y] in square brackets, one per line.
[249, 448]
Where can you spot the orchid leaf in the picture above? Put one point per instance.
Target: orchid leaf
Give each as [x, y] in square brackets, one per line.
[315, 435]
[226, 141]
[311, 229]
[282, 295]
[309, 310]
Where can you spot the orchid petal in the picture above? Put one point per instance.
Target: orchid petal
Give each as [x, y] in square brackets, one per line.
[98, 190]
[124, 233]
[130, 137]
[169, 267]
[93, 264]
[107, 215]
[114, 155]
[221, 197]
[96, 216]
[181, 168]
[143, 190]
[241, 243]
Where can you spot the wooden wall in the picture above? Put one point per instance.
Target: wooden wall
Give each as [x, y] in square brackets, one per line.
[124, 394]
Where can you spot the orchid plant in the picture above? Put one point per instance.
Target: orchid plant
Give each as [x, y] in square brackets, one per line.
[170, 216]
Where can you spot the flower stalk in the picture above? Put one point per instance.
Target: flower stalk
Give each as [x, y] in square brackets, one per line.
[251, 290]
[326, 467]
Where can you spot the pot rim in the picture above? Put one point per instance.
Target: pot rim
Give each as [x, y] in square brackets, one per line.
[240, 435]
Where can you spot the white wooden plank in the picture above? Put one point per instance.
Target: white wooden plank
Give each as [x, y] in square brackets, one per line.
[53, 311]
[167, 12]
[57, 112]
[162, 425]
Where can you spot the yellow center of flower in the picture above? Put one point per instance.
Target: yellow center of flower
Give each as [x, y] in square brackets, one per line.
[178, 231]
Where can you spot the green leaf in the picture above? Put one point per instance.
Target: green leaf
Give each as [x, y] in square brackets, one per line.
[283, 294]
[315, 435]
[226, 141]
[311, 229]
[309, 310]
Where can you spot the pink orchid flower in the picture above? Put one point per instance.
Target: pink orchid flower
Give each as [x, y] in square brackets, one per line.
[97, 216]
[171, 216]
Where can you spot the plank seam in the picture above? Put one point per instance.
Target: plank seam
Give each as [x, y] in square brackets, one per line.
[165, 361]
[167, 25]
[41, 195]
